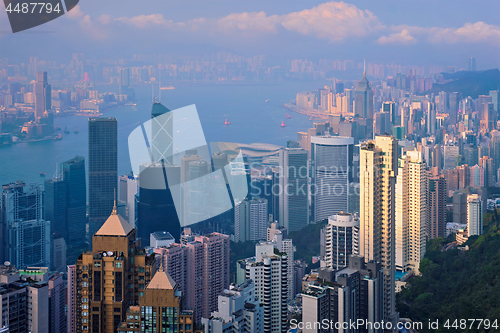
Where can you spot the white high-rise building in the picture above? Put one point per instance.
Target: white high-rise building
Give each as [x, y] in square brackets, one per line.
[474, 215]
[378, 172]
[293, 188]
[239, 311]
[341, 240]
[411, 212]
[268, 270]
[250, 220]
[331, 166]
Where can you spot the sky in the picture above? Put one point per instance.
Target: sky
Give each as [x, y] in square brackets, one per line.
[404, 32]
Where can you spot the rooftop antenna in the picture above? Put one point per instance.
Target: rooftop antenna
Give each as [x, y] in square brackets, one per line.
[364, 67]
[114, 206]
[159, 86]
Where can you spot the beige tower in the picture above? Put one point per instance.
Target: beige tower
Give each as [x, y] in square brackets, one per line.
[411, 212]
[378, 172]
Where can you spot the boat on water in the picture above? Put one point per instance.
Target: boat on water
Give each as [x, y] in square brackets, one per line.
[311, 118]
[226, 122]
[66, 130]
[42, 174]
[283, 124]
[57, 128]
[288, 116]
[267, 101]
[167, 88]
[58, 137]
[76, 130]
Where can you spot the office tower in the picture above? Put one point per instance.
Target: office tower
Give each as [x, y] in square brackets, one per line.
[494, 150]
[155, 207]
[66, 204]
[293, 189]
[363, 99]
[43, 93]
[472, 64]
[268, 270]
[239, 311]
[442, 102]
[450, 157]
[436, 157]
[494, 99]
[345, 296]
[275, 229]
[349, 97]
[71, 299]
[132, 190]
[250, 220]
[124, 79]
[341, 240]
[159, 309]
[57, 306]
[474, 215]
[488, 117]
[459, 208]
[103, 173]
[378, 172]
[25, 233]
[454, 99]
[382, 124]
[202, 269]
[332, 172]
[463, 176]
[470, 153]
[477, 176]
[160, 238]
[110, 277]
[437, 206]
[431, 118]
[411, 212]
[390, 108]
[487, 165]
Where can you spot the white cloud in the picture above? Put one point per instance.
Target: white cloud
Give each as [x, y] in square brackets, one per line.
[334, 21]
[75, 13]
[105, 19]
[258, 22]
[402, 37]
[145, 21]
[468, 33]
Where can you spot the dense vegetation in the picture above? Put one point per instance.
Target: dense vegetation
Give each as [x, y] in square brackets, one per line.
[469, 83]
[457, 284]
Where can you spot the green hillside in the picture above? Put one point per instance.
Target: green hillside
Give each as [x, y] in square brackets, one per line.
[469, 83]
[457, 284]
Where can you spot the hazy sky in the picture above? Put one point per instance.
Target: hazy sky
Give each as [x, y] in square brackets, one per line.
[406, 32]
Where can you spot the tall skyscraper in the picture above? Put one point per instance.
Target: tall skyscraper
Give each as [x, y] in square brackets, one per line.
[454, 99]
[341, 240]
[332, 172]
[71, 299]
[155, 208]
[293, 189]
[363, 98]
[411, 211]
[472, 64]
[474, 215]
[43, 93]
[103, 170]
[378, 172]
[57, 306]
[202, 269]
[437, 207]
[268, 270]
[431, 118]
[494, 99]
[110, 277]
[25, 232]
[66, 204]
[382, 124]
[390, 108]
[250, 220]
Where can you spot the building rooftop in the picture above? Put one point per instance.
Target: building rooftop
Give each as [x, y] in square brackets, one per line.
[115, 225]
[162, 235]
[161, 280]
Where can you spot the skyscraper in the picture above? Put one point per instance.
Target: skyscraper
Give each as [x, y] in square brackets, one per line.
[110, 277]
[103, 170]
[202, 269]
[293, 189]
[250, 220]
[363, 98]
[454, 100]
[437, 207]
[411, 211]
[25, 234]
[332, 172]
[341, 239]
[474, 215]
[66, 203]
[378, 172]
[472, 64]
[390, 108]
[431, 118]
[43, 93]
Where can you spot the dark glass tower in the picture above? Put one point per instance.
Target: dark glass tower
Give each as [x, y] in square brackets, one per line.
[103, 174]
